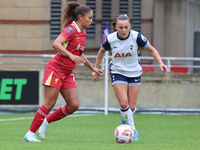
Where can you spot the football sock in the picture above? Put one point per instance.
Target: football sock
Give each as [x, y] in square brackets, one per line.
[134, 110]
[58, 114]
[127, 115]
[45, 121]
[39, 118]
[30, 133]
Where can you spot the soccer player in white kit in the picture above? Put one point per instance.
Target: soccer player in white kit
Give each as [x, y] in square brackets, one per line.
[125, 66]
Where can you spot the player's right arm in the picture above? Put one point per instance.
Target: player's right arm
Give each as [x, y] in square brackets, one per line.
[58, 46]
[99, 58]
[105, 46]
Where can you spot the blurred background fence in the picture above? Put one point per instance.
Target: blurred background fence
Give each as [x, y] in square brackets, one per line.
[29, 28]
[177, 92]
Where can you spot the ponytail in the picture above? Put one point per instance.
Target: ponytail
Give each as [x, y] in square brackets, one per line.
[114, 23]
[68, 14]
[71, 12]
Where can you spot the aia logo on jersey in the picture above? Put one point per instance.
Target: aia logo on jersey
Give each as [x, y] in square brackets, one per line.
[69, 30]
[123, 55]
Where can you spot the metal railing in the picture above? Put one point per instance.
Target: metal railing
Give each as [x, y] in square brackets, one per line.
[104, 65]
[168, 60]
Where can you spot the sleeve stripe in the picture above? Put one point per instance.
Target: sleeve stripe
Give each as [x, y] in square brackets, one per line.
[147, 44]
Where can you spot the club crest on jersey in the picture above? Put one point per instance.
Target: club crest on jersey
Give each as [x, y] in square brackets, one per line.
[69, 30]
[131, 47]
[123, 55]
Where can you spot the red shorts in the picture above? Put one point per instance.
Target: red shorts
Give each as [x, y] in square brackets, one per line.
[57, 77]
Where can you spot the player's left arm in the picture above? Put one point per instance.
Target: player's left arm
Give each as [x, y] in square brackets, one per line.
[89, 65]
[157, 57]
[143, 42]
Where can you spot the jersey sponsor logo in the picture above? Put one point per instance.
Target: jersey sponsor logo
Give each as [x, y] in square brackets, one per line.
[69, 30]
[143, 38]
[80, 47]
[78, 37]
[123, 55]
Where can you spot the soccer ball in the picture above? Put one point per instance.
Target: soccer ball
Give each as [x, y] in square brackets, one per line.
[124, 134]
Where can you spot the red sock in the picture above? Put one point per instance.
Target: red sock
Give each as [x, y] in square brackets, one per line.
[38, 119]
[59, 114]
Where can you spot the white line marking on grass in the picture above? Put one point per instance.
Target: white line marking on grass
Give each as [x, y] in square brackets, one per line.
[81, 115]
[11, 119]
[25, 118]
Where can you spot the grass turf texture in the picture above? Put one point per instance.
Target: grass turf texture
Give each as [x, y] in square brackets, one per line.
[96, 132]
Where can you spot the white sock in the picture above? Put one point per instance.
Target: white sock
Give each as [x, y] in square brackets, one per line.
[45, 121]
[134, 110]
[127, 115]
[30, 133]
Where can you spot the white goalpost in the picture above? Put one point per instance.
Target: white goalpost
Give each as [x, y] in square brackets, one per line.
[106, 84]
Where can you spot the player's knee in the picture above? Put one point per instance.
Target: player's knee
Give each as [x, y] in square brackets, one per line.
[75, 107]
[50, 104]
[132, 107]
[123, 104]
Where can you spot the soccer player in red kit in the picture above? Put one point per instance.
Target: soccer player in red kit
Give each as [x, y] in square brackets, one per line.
[58, 75]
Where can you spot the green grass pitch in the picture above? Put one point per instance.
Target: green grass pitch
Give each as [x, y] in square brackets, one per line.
[96, 132]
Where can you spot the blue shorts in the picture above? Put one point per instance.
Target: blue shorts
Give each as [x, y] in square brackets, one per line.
[118, 78]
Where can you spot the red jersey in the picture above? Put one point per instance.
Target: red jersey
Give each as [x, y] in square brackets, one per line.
[75, 44]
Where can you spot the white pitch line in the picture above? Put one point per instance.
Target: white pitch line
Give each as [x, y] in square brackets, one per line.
[11, 119]
[24, 118]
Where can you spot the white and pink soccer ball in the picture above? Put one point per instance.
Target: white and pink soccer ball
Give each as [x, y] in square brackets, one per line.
[124, 134]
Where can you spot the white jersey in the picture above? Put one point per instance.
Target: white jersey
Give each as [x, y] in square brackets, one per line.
[125, 59]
